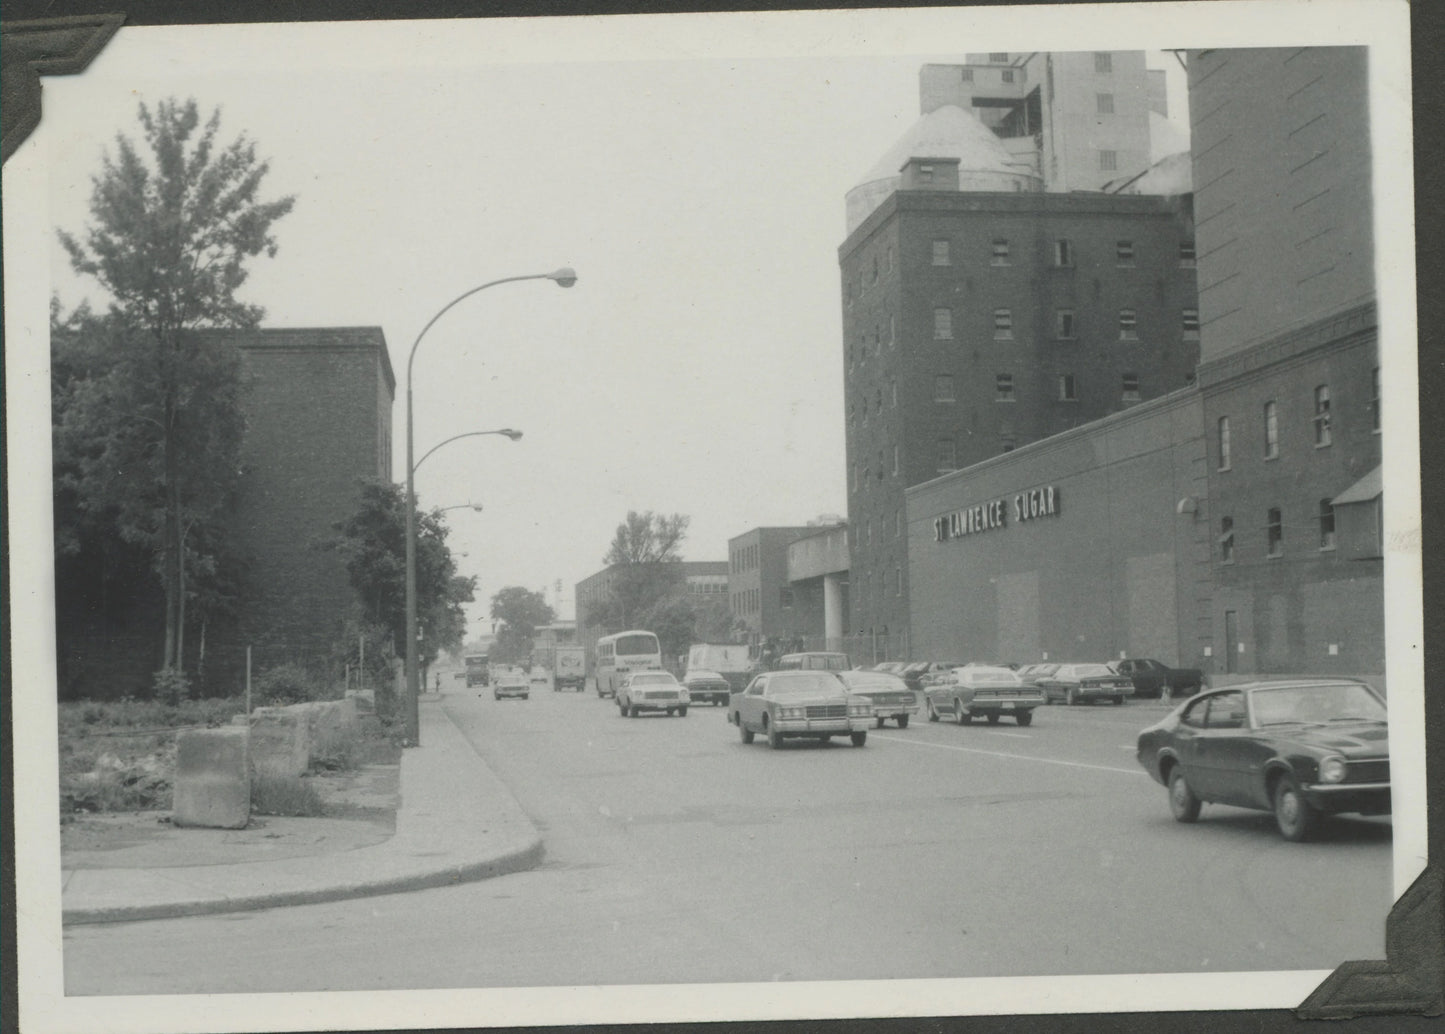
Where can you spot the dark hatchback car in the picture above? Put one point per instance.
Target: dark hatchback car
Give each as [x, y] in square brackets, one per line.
[1301, 749]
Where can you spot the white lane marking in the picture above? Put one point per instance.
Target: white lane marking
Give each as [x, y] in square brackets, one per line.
[1016, 757]
[1015, 735]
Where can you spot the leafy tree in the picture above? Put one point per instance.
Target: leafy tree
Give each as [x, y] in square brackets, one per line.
[520, 611]
[373, 543]
[173, 223]
[647, 570]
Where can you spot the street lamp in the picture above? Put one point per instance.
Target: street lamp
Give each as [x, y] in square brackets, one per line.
[508, 432]
[475, 507]
[564, 277]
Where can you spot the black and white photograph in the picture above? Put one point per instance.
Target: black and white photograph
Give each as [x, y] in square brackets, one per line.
[773, 515]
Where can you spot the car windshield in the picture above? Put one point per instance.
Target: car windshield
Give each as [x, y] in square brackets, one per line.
[803, 683]
[875, 681]
[1088, 671]
[652, 680]
[981, 677]
[1317, 704]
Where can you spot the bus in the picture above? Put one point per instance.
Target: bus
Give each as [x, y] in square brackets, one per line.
[478, 673]
[620, 654]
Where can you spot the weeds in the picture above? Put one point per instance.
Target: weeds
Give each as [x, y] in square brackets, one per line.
[284, 795]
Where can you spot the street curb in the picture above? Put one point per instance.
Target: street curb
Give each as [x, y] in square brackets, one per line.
[527, 857]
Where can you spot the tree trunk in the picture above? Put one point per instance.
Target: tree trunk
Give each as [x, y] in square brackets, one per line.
[171, 566]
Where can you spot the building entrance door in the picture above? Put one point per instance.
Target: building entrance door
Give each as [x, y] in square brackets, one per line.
[1231, 642]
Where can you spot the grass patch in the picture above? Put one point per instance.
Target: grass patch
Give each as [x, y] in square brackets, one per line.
[284, 795]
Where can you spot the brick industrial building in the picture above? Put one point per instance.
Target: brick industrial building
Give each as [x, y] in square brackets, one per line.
[318, 419]
[1233, 524]
[988, 302]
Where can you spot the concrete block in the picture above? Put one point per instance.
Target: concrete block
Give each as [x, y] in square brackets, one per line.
[278, 744]
[213, 778]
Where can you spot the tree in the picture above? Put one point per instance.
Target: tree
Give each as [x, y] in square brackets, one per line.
[521, 611]
[170, 235]
[647, 570]
[373, 542]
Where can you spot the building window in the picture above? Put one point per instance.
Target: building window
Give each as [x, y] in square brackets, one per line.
[893, 393]
[1103, 62]
[947, 459]
[942, 324]
[898, 580]
[1124, 253]
[1186, 254]
[1271, 430]
[882, 470]
[1108, 161]
[1004, 387]
[1226, 540]
[895, 461]
[1375, 400]
[1000, 252]
[1063, 252]
[1327, 525]
[875, 270]
[1131, 387]
[1128, 325]
[1003, 324]
[1007, 75]
[1224, 443]
[1066, 327]
[1104, 103]
[925, 174]
[1274, 533]
[1322, 416]
[940, 253]
[1066, 388]
[785, 598]
[892, 331]
[888, 256]
[965, 75]
[897, 524]
[1191, 324]
[943, 388]
[878, 400]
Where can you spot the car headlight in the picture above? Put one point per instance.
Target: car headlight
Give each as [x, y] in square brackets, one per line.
[790, 712]
[864, 710]
[683, 693]
[1332, 769]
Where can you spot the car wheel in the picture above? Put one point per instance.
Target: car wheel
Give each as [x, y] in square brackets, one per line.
[859, 738]
[1296, 817]
[932, 712]
[993, 719]
[1070, 697]
[775, 738]
[671, 712]
[621, 710]
[903, 721]
[1182, 801]
[964, 718]
[1024, 717]
[1118, 701]
[496, 696]
[879, 722]
[744, 732]
[682, 712]
[632, 711]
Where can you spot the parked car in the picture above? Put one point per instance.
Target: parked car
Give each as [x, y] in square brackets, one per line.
[1302, 749]
[511, 684]
[813, 660]
[974, 691]
[1151, 677]
[781, 704]
[1072, 683]
[920, 673]
[890, 667]
[1031, 673]
[651, 691]
[707, 685]
[889, 695]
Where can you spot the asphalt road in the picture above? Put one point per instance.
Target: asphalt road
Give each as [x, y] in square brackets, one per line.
[677, 854]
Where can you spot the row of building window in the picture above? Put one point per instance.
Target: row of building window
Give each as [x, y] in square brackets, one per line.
[1274, 532]
[1066, 325]
[862, 533]
[1064, 251]
[747, 601]
[1320, 422]
[943, 388]
[743, 559]
[1000, 253]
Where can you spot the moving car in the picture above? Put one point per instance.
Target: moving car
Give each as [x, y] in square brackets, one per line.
[511, 684]
[1302, 749]
[975, 691]
[815, 704]
[651, 691]
[889, 695]
[703, 684]
[1073, 683]
[715, 670]
[1151, 678]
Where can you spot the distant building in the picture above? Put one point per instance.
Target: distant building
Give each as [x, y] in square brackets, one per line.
[984, 307]
[705, 579]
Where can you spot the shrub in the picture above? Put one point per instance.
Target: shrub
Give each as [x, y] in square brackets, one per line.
[285, 684]
[284, 795]
[170, 685]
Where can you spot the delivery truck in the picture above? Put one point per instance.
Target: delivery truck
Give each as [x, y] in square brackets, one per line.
[569, 668]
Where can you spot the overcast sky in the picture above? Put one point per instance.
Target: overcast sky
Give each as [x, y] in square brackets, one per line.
[695, 366]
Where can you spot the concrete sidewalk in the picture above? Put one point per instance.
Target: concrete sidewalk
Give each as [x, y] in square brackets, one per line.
[456, 822]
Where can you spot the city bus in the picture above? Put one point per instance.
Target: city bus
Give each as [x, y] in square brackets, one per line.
[620, 654]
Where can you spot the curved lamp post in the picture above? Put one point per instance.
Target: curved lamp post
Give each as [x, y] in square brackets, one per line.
[564, 277]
